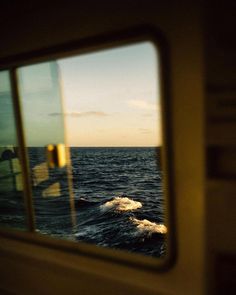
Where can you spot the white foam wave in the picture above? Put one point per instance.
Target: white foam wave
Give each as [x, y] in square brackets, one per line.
[146, 226]
[121, 204]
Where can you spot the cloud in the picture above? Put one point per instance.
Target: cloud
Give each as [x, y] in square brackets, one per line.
[81, 114]
[143, 104]
[144, 131]
[148, 115]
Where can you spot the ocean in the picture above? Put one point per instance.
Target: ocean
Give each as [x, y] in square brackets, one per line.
[118, 196]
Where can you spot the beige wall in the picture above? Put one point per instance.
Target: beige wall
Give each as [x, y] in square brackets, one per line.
[220, 60]
[31, 269]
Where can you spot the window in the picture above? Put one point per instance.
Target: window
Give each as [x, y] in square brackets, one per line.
[106, 186]
[12, 211]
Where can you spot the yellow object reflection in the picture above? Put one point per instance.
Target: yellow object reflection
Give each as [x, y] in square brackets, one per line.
[56, 155]
[40, 173]
[54, 190]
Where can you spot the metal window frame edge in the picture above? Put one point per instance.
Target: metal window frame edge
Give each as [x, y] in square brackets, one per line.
[96, 43]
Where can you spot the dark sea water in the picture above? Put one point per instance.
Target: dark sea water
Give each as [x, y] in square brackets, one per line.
[118, 198]
[119, 189]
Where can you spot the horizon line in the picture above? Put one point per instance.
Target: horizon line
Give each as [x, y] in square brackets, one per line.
[156, 146]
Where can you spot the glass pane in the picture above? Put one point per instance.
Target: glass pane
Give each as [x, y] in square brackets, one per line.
[12, 211]
[113, 117]
[39, 89]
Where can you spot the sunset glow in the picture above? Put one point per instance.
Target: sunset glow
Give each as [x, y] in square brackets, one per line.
[111, 98]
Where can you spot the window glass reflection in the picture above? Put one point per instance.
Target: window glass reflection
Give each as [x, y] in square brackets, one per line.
[12, 212]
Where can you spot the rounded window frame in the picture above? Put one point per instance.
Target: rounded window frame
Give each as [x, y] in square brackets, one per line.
[94, 44]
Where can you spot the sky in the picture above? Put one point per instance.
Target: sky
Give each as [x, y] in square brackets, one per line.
[103, 99]
[7, 119]
[111, 97]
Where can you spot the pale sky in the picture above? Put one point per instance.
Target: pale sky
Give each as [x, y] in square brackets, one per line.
[7, 119]
[111, 98]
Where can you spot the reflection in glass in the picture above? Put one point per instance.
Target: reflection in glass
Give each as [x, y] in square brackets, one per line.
[113, 119]
[40, 96]
[12, 212]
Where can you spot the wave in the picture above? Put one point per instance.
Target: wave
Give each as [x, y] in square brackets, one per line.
[121, 204]
[146, 226]
[82, 202]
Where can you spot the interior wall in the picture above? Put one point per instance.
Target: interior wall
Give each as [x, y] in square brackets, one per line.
[38, 25]
[220, 61]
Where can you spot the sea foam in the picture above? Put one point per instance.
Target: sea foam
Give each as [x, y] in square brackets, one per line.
[121, 204]
[146, 226]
